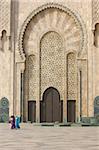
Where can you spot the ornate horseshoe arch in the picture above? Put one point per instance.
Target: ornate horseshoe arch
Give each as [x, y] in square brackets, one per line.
[65, 23]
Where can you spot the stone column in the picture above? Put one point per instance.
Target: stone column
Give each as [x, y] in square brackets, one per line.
[65, 91]
[19, 88]
[38, 89]
[11, 105]
[84, 89]
[79, 96]
[21, 99]
[90, 79]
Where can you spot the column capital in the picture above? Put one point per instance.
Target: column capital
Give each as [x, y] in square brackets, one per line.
[21, 66]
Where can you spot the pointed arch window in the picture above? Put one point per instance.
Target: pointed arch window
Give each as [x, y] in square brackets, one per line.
[96, 35]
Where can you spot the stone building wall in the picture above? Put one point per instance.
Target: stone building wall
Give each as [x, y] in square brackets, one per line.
[6, 59]
[95, 47]
[14, 22]
[77, 6]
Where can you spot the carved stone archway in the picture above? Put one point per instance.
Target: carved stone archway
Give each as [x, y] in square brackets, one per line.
[60, 22]
[73, 20]
[51, 106]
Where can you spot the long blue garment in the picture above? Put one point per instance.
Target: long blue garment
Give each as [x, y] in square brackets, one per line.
[17, 122]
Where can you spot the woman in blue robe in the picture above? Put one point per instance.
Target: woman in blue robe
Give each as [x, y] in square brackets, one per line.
[17, 122]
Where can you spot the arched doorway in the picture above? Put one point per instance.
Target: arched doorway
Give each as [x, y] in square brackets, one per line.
[45, 43]
[4, 110]
[51, 106]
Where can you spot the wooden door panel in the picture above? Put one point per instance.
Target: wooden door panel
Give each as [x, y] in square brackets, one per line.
[49, 107]
[42, 112]
[32, 111]
[51, 110]
[56, 107]
[71, 110]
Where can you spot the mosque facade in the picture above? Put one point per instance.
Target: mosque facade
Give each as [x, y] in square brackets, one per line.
[49, 60]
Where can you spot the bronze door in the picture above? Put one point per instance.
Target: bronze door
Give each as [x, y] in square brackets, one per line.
[32, 111]
[71, 111]
[51, 106]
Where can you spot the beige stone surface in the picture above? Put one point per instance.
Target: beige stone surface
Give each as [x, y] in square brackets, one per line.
[68, 25]
[26, 22]
[49, 138]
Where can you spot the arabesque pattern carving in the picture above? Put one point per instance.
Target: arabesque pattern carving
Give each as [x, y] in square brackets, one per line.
[51, 62]
[50, 35]
[95, 12]
[71, 77]
[32, 77]
[57, 20]
[5, 16]
[53, 16]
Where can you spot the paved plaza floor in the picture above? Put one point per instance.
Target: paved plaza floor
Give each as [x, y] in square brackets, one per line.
[31, 137]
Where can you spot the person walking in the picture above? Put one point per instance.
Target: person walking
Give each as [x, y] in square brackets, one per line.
[12, 121]
[17, 122]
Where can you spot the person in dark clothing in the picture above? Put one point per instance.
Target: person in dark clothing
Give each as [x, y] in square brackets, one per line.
[12, 121]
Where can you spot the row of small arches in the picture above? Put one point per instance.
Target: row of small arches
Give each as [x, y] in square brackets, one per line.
[96, 37]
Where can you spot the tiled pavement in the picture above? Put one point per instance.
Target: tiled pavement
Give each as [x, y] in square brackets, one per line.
[31, 137]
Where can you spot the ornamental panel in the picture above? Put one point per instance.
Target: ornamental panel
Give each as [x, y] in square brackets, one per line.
[53, 19]
[32, 77]
[51, 62]
[5, 15]
[49, 34]
[95, 12]
[71, 77]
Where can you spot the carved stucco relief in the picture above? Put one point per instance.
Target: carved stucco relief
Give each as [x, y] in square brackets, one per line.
[95, 13]
[53, 17]
[30, 81]
[5, 16]
[51, 34]
[32, 77]
[53, 20]
[51, 62]
[71, 77]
